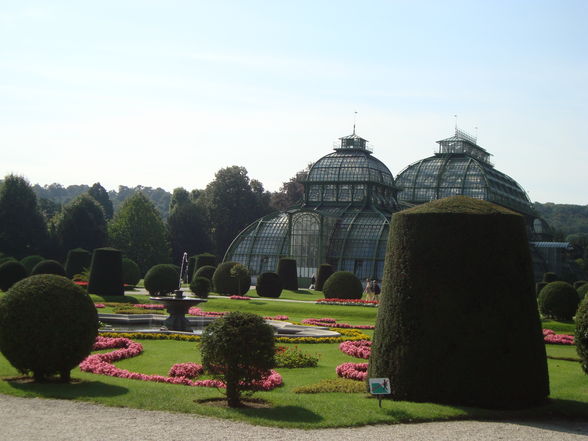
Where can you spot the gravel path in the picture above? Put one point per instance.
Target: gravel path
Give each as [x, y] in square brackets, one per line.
[35, 419]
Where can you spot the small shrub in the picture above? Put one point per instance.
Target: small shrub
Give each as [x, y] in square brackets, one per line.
[205, 259]
[582, 290]
[343, 285]
[47, 326]
[549, 277]
[106, 272]
[288, 357]
[539, 286]
[6, 259]
[332, 385]
[269, 285]
[226, 284]
[205, 271]
[200, 286]
[579, 283]
[78, 260]
[581, 337]
[10, 273]
[558, 300]
[238, 349]
[288, 273]
[162, 279]
[29, 262]
[131, 271]
[48, 267]
[324, 272]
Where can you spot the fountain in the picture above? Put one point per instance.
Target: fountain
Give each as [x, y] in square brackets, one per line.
[178, 306]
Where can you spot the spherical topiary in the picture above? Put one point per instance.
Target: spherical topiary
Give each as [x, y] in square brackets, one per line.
[205, 271]
[226, 283]
[48, 267]
[47, 326]
[6, 259]
[269, 285]
[581, 337]
[162, 279]
[582, 290]
[78, 261]
[131, 272]
[579, 283]
[324, 272]
[10, 273]
[288, 273]
[549, 277]
[343, 285]
[457, 320]
[106, 273]
[200, 286]
[558, 300]
[205, 259]
[539, 286]
[29, 262]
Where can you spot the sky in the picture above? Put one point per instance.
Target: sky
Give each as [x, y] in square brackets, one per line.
[166, 93]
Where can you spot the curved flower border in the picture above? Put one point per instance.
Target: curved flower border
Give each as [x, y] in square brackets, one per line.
[332, 323]
[353, 371]
[357, 349]
[551, 337]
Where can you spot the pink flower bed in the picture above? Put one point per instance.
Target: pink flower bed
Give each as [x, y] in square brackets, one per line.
[239, 298]
[99, 305]
[348, 302]
[353, 371]
[357, 349]
[179, 373]
[551, 337]
[332, 323]
[200, 313]
[277, 317]
[149, 306]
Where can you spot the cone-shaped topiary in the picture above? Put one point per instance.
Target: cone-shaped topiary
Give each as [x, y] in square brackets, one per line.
[288, 273]
[200, 286]
[343, 285]
[226, 283]
[205, 271]
[162, 279]
[11, 272]
[558, 300]
[582, 291]
[457, 321]
[269, 285]
[191, 267]
[581, 337]
[106, 273]
[47, 326]
[30, 262]
[205, 259]
[48, 267]
[78, 260]
[324, 272]
[549, 277]
[131, 272]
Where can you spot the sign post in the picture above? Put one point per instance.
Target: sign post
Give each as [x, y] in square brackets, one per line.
[379, 387]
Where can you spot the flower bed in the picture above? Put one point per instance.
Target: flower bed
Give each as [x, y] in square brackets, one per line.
[200, 313]
[239, 298]
[157, 306]
[353, 371]
[347, 302]
[357, 349]
[551, 337]
[99, 305]
[332, 323]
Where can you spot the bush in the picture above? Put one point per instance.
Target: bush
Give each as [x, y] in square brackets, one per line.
[106, 273]
[205, 259]
[200, 286]
[162, 279]
[10, 273]
[48, 267]
[226, 284]
[29, 262]
[238, 349]
[7, 259]
[288, 273]
[205, 271]
[549, 277]
[582, 291]
[269, 285]
[78, 261]
[579, 283]
[131, 272]
[191, 267]
[558, 300]
[332, 385]
[47, 326]
[581, 337]
[441, 335]
[343, 285]
[538, 287]
[324, 272]
[292, 357]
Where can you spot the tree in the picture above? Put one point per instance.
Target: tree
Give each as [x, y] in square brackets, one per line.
[138, 231]
[186, 225]
[81, 224]
[22, 227]
[99, 193]
[291, 192]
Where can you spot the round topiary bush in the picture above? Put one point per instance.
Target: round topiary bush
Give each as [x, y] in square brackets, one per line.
[539, 286]
[582, 291]
[549, 277]
[131, 272]
[225, 283]
[579, 283]
[457, 320]
[30, 262]
[78, 261]
[558, 300]
[162, 279]
[10, 273]
[106, 273]
[269, 285]
[581, 337]
[205, 259]
[205, 271]
[343, 285]
[47, 326]
[48, 267]
[288, 273]
[324, 272]
[200, 286]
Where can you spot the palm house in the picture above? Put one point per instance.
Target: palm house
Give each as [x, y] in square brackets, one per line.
[343, 219]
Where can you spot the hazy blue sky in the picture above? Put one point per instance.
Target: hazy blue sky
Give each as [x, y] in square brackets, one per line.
[165, 93]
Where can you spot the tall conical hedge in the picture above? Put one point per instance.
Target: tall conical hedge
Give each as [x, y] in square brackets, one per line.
[106, 273]
[78, 260]
[324, 272]
[457, 321]
[288, 273]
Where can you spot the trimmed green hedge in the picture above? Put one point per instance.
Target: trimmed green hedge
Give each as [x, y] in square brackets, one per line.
[205, 259]
[78, 260]
[269, 285]
[131, 271]
[581, 337]
[200, 286]
[11, 272]
[29, 262]
[162, 279]
[48, 267]
[106, 273]
[343, 285]
[558, 300]
[288, 273]
[205, 271]
[224, 283]
[324, 272]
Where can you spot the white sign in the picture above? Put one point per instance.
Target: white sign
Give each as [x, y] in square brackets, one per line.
[380, 386]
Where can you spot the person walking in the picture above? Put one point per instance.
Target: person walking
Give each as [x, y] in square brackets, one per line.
[368, 293]
[376, 289]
